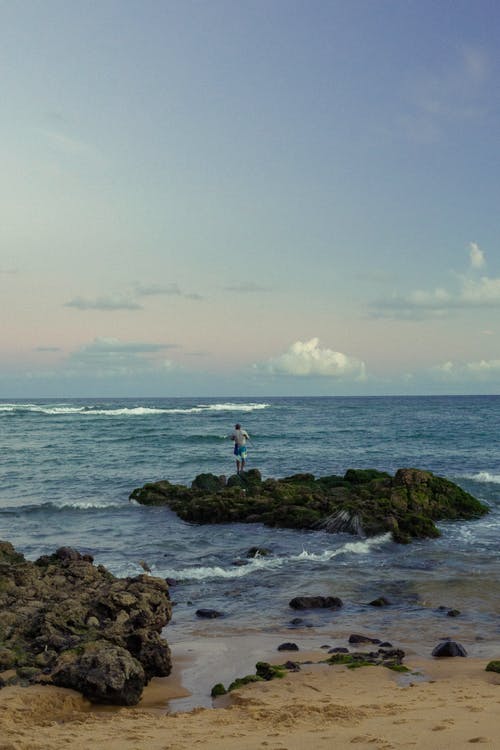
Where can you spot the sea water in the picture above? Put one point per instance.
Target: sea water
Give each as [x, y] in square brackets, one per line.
[68, 467]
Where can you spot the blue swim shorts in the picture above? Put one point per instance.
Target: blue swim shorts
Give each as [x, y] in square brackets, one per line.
[240, 451]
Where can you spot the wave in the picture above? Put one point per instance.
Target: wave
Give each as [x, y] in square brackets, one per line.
[137, 411]
[63, 506]
[360, 547]
[484, 477]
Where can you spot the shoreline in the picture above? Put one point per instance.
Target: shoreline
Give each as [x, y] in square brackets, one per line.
[441, 703]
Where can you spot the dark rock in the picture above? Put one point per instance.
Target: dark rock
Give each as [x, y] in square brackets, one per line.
[325, 646]
[288, 647]
[268, 671]
[80, 627]
[208, 483]
[449, 648]
[292, 666]
[355, 638]
[386, 644]
[381, 601]
[316, 602]
[171, 582]
[493, 666]
[363, 501]
[297, 621]
[209, 613]
[453, 613]
[338, 650]
[258, 552]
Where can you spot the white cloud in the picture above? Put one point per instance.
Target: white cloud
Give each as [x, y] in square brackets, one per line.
[307, 358]
[476, 255]
[479, 371]
[470, 292]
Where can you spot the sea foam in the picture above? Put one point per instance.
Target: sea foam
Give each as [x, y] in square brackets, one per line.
[361, 547]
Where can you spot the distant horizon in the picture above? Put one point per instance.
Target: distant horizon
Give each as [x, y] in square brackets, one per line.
[227, 397]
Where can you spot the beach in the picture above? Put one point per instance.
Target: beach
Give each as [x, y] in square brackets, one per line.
[68, 481]
[439, 704]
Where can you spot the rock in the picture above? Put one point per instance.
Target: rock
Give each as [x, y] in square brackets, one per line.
[208, 483]
[316, 602]
[209, 614]
[102, 672]
[381, 601]
[449, 648]
[292, 666]
[363, 501]
[355, 638]
[70, 623]
[258, 552]
[338, 650]
[493, 666]
[453, 613]
[288, 647]
[297, 621]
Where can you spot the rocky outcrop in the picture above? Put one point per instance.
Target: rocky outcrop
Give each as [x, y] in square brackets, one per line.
[363, 501]
[70, 623]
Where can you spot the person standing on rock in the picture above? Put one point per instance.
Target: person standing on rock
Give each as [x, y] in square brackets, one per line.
[240, 438]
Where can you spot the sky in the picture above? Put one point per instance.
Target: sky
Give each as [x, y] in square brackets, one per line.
[250, 197]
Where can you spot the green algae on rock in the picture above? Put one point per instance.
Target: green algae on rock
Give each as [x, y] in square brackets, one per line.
[363, 501]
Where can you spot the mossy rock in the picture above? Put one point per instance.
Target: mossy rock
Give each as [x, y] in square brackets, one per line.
[363, 501]
[493, 666]
[218, 690]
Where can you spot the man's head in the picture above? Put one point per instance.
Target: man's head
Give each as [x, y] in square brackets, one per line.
[237, 427]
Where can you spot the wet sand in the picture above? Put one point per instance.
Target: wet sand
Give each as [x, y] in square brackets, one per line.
[440, 704]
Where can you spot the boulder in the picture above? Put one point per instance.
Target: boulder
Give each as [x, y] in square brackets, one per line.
[68, 622]
[449, 648]
[364, 502]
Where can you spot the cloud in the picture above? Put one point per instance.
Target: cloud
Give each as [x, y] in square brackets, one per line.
[112, 357]
[107, 304]
[479, 371]
[476, 255]
[470, 292]
[307, 358]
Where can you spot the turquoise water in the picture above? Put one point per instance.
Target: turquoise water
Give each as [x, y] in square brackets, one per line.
[68, 468]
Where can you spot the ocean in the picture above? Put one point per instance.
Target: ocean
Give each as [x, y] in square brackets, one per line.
[68, 467]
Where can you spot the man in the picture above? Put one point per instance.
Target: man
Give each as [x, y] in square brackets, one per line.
[240, 438]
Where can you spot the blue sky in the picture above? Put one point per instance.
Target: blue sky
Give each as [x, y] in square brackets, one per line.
[239, 198]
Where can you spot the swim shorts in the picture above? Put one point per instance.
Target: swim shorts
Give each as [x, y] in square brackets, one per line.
[240, 451]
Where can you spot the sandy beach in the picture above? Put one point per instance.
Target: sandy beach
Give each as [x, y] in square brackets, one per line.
[441, 703]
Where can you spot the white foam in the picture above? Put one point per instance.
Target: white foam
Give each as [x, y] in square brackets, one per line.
[484, 477]
[137, 411]
[360, 547]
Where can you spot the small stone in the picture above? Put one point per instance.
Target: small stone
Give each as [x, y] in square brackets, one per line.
[453, 613]
[355, 638]
[288, 647]
[449, 648]
[381, 601]
[209, 614]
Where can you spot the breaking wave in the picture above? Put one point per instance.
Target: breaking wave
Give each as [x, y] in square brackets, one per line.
[484, 477]
[361, 547]
[133, 411]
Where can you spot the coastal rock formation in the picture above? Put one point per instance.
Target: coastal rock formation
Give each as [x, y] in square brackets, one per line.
[363, 501]
[67, 622]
